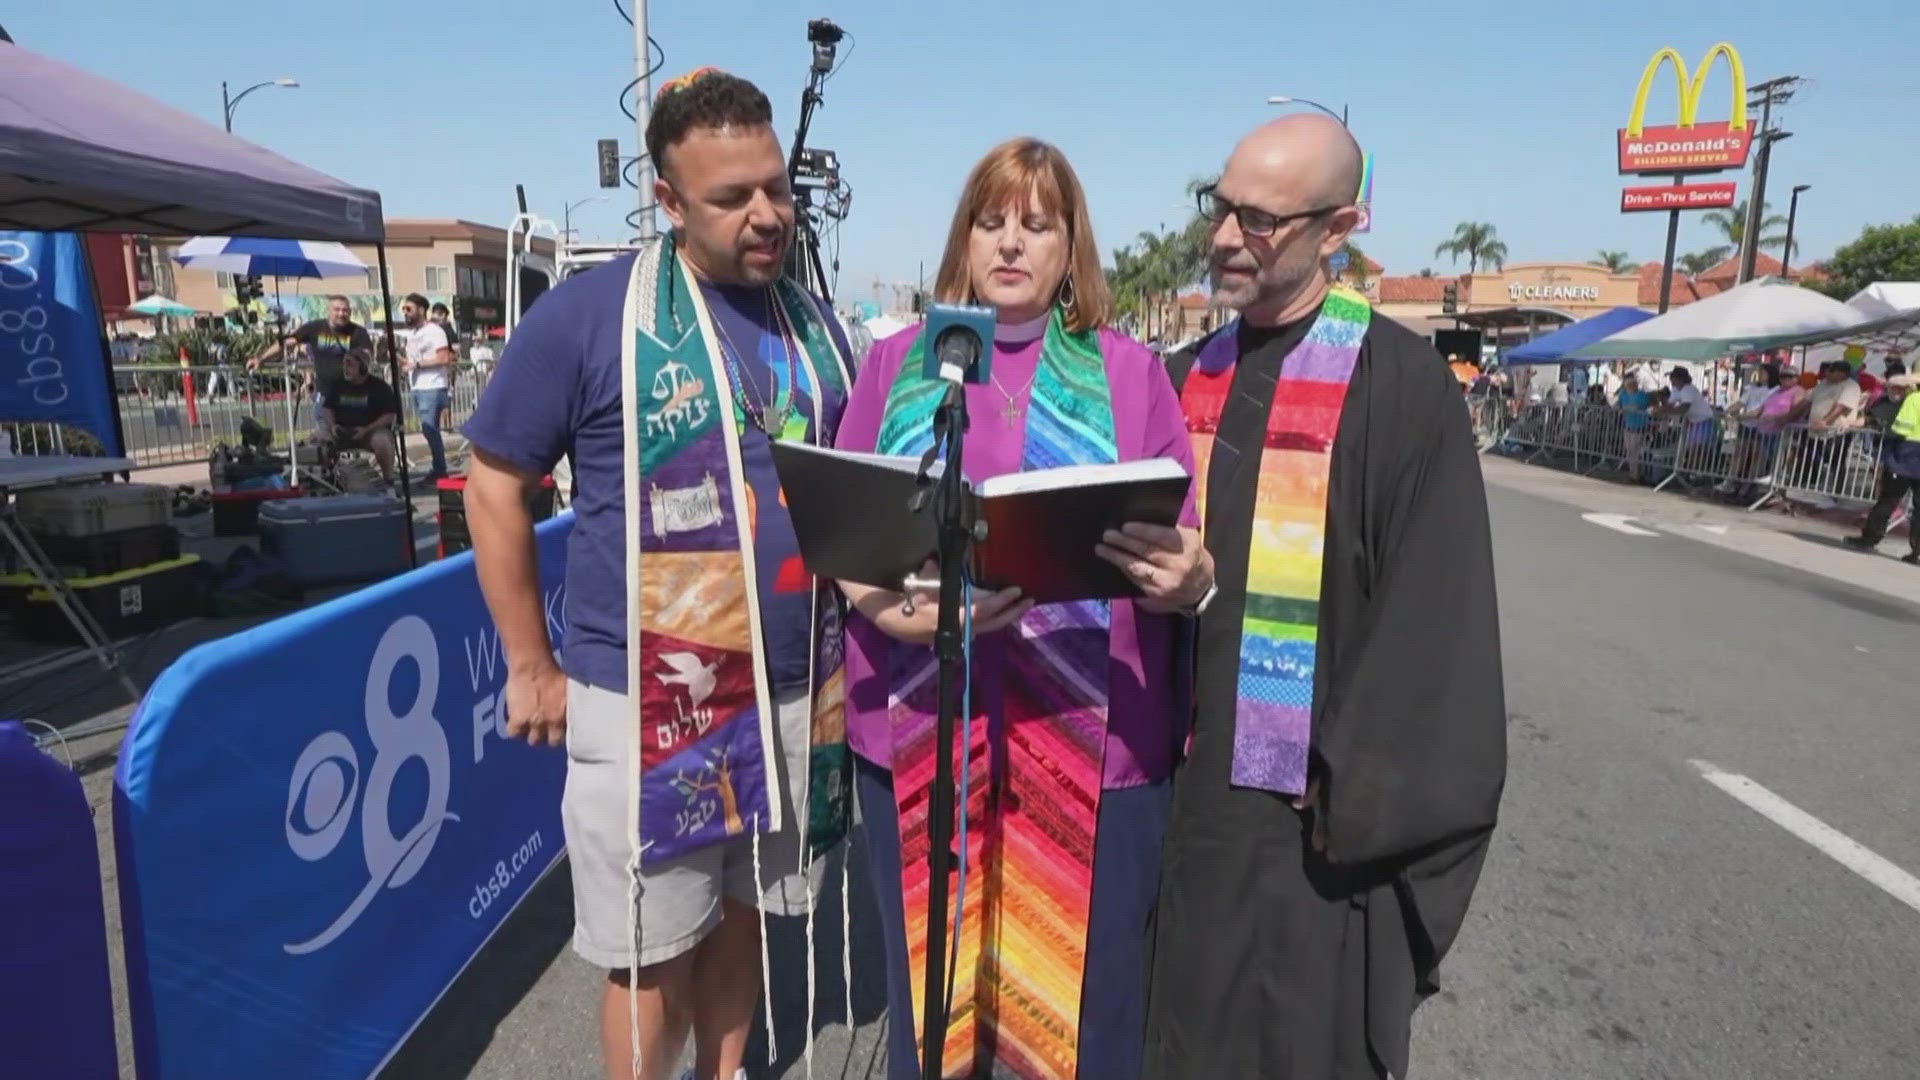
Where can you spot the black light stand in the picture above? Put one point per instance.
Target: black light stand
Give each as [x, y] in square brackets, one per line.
[811, 170]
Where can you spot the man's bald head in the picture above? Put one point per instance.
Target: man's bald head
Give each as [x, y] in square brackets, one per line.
[1296, 178]
[1305, 156]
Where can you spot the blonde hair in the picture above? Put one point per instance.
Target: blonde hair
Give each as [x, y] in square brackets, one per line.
[1014, 171]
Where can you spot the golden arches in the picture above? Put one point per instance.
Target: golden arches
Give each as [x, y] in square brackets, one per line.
[1690, 87]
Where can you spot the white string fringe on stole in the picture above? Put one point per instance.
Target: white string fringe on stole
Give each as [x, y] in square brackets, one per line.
[766, 962]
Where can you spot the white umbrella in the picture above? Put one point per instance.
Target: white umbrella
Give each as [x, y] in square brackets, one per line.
[1754, 317]
[1887, 298]
[885, 326]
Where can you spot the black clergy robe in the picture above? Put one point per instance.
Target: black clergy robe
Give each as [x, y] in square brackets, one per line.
[1273, 959]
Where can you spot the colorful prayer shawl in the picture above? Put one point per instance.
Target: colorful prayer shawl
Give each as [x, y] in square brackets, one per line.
[704, 734]
[1278, 638]
[1032, 816]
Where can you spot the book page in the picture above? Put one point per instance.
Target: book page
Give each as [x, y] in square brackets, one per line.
[884, 461]
[1074, 476]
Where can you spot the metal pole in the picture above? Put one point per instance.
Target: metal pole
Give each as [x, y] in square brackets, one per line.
[401, 465]
[1666, 268]
[1757, 198]
[1793, 214]
[642, 113]
[226, 106]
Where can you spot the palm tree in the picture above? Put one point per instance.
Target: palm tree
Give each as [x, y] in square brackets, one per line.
[1479, 242]
[1732, 224]
[1616, 262]
[1702, 261]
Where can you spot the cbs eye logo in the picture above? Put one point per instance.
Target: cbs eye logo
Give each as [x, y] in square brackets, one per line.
[327, 779]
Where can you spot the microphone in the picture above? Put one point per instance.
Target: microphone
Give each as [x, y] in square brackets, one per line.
[959, 343]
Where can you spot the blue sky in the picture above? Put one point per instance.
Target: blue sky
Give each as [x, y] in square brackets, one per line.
[1494, 111]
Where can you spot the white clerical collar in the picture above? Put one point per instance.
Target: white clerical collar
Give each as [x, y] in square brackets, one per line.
[1022, 332]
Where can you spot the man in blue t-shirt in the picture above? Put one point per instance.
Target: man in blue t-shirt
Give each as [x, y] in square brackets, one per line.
[558, 393]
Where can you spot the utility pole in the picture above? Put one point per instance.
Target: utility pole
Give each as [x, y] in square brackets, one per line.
[1793, 213]
[1774, 91]
[642, 112]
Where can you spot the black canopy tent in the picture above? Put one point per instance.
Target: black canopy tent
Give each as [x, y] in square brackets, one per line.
[79, 153]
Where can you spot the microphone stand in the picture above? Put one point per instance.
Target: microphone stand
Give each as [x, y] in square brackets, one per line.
[955, 523]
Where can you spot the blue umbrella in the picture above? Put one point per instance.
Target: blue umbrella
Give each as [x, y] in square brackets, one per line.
[257, 256]
[1554, 347]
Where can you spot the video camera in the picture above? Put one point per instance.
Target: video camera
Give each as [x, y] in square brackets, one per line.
[826, 41]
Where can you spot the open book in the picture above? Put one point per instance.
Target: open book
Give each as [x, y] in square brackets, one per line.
[853, 514]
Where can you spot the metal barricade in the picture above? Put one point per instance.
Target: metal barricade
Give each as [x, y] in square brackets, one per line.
[177, 415]
[1826, 469]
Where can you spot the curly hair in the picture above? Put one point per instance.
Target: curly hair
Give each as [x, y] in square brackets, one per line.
[708, 98]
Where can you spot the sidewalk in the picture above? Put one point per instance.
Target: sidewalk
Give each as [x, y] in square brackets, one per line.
[1809, 543]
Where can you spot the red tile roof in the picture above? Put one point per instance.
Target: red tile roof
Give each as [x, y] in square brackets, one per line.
[1729, 269]
[1685, 289]
[1194, 301]
[1415, 290]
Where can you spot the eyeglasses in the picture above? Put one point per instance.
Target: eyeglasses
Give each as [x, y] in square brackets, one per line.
[1253, 220]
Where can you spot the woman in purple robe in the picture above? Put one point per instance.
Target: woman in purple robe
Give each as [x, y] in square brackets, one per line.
[1079, 708]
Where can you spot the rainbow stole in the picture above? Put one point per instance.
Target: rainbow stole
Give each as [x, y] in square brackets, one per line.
[1279, 636]
[704, 731]
[1023, 931]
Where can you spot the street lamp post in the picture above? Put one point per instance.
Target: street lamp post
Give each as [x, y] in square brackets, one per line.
[1793, 212]
[228, 104]
[566, 216]
[1283, 99]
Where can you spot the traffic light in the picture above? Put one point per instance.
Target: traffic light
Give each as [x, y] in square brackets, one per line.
[609, 163]
[248, 289]
[1450, 298]
[463, 311]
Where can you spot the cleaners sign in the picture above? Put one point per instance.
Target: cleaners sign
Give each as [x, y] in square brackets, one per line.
[1687, 146]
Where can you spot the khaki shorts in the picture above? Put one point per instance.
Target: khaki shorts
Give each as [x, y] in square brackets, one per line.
[679, 899]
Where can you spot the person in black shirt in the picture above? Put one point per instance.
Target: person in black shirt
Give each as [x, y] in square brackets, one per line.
[358, 410]
[327, 342]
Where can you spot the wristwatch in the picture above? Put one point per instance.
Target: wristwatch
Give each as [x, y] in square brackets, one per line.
[1206, 600]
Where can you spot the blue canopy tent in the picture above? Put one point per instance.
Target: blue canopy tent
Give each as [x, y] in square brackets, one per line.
[1553, 348]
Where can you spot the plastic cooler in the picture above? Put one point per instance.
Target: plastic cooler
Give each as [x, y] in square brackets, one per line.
[338, 539]
[454, 535]
[91, 509]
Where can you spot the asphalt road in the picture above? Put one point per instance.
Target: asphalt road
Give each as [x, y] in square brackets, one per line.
[1635, 920]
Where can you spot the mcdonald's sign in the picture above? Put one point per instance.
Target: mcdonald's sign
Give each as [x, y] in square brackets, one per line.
[1687, 146]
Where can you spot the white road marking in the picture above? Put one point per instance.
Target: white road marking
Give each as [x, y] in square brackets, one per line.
[1717, 530]
[1618, 523]
[1829, 841]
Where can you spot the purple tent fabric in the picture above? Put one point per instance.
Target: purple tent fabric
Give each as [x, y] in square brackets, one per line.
[79, 153]
[56, 1004]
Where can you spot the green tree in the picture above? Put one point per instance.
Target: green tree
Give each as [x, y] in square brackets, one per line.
[1479, 242]
[1356, 273]
[1882, 253]
[1702, 261]
[1732, 225]
[1616, 262]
